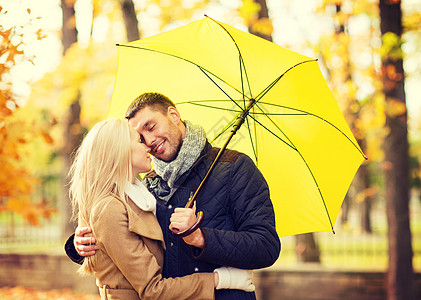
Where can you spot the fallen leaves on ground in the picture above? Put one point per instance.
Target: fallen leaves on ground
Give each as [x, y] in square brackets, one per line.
[20, 293]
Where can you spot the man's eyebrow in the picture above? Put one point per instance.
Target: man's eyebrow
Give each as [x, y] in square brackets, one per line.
[146, 123]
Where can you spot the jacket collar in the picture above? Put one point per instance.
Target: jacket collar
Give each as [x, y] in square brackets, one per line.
[160, 189]
[143, 223]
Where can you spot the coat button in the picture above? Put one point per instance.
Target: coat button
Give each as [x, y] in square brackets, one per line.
[169, 206]
[171, 244]
[196, 269]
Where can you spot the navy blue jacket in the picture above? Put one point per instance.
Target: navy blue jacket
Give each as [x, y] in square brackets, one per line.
[239, 222]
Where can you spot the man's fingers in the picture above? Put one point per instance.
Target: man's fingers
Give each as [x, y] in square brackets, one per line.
[182, 218]
[176, 224]
[174, 228]
[180, 209]
[85, 241]
[89, 248]
[89, 253]
[82, 230]
[178, 218]
[85, 249]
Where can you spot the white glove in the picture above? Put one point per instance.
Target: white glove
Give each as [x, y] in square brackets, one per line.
[233, 278]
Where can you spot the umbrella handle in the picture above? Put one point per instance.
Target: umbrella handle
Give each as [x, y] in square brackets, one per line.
[199, 221]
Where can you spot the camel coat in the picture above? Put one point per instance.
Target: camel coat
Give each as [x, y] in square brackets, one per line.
[129, 263]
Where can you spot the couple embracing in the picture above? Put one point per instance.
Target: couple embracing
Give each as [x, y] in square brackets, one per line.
[125, 226]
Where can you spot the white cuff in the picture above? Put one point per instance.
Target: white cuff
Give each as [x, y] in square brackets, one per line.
[224, 278]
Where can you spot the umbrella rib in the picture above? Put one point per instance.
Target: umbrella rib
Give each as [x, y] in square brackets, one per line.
[211, 106]
[224, 109]
[205, 71]
[223, 130]
[263, 93]
[232, 100]
[274, 134]
[266, 90]
[303, 112]
[251, 139]
[242, 64]
[302, 157]
[242, 80]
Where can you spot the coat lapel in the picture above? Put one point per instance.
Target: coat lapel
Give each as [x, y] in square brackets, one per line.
[144, 223]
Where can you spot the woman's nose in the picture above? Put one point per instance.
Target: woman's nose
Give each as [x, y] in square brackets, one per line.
[147, 149]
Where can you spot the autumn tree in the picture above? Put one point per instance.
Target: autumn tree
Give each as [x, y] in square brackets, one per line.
[72, 127]
[256, 14]
[396, 164]
[89, 66]
[16, 181]
[130, 20]
[337, 52]
[172, 11]
[352, 114]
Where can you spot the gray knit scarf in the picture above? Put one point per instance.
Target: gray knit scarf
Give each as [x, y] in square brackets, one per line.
[192, 146]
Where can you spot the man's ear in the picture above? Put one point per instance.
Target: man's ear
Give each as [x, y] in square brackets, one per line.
[174, 115]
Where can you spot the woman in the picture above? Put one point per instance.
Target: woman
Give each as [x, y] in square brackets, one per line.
[107, 197]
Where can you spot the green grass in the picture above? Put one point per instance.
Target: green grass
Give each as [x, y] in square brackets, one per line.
[351, 249]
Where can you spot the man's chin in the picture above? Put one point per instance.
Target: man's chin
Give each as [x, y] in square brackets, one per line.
[166, 158]
[168, 154]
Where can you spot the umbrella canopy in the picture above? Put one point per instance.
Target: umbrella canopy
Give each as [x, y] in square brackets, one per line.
[294, 129]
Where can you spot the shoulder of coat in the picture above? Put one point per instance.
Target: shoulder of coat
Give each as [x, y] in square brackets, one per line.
[108, 205]
[228, 155]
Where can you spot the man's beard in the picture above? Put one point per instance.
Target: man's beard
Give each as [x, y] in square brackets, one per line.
[175, 153]
[174, 135]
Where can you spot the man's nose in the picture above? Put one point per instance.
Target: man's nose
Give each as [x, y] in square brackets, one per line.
[149, 140]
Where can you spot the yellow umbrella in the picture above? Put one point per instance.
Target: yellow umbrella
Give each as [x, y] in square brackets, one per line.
[293, 128]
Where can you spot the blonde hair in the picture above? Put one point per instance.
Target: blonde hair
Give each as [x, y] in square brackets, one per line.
[101, 168]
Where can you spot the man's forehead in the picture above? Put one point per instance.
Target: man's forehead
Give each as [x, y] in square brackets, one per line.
[144, 117]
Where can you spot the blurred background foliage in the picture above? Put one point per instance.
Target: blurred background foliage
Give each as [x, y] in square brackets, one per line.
[54, 89]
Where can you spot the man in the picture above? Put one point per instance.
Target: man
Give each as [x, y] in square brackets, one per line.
[239, 225]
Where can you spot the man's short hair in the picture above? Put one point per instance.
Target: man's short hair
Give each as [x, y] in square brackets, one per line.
[155, 101]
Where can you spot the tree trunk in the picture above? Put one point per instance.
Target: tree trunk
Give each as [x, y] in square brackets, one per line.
[396, 166]
[130, 20]
[72, 128]
[69, 32]
[345, 209]
[364, 193]
[263, 14]
[361, 182]
[306, 248]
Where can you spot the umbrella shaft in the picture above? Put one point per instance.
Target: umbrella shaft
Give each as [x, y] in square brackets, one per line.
[242, 117]
[236, 126]
[193, 198]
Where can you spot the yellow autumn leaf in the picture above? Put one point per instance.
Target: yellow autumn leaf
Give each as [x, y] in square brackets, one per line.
[263, 26]
[395, 107]
[15, 205]
[249, 10]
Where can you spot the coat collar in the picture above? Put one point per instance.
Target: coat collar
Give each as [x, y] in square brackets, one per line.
[143, 223]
